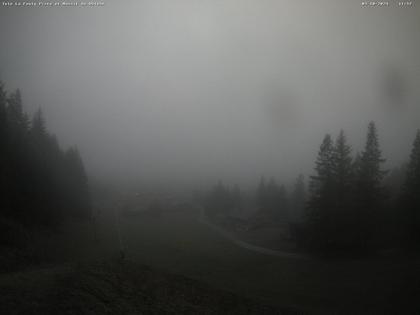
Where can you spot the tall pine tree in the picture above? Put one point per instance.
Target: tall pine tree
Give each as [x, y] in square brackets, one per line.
[369, 189]
[320, 205]
[411, 195]
[341, 215]
[4, 152]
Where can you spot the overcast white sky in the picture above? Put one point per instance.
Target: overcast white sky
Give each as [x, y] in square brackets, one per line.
[194, 90]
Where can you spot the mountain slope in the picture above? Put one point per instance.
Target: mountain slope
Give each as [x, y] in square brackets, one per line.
[117, 288]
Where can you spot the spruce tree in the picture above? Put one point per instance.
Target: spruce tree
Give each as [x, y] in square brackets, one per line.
[369, 189]
[342, 167]
[321, 182]
[371, 173]
[16, 116]
[4, 151]
[341, 230]
[38, 128]
[3, 124]
[3, 106]
[319, 208]
[412, 195]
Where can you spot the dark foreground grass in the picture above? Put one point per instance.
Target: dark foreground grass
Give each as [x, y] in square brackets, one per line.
[117, 288]
[363, 285]
[196, 271]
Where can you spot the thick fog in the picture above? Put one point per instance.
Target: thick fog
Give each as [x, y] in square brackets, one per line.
[190, 91]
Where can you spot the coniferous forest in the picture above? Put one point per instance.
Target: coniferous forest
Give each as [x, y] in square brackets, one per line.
[352, 205]
[41, 184]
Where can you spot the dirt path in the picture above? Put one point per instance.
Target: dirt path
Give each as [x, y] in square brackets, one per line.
[262, 250]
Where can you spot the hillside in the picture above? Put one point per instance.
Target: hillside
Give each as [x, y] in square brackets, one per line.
[117, 288]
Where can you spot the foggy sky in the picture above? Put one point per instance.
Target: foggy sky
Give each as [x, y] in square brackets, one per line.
[190, 91]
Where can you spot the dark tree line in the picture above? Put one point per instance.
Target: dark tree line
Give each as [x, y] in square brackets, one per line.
[222, 200]
[348, 200]
[352, 204]
[411, 196]
[298, 200]
[272, 200]
[40, 183]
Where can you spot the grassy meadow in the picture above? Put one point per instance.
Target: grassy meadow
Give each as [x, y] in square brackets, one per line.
[180, 244]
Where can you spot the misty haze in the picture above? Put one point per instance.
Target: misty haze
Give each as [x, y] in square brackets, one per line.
[210, 157]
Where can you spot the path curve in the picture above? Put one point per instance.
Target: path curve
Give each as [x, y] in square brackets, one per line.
[229, 236]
